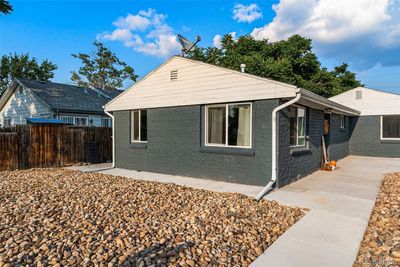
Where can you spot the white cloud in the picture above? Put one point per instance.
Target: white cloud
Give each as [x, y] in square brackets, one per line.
[243, 13]
[146, 32]
[133, 22]
[118, 35]
[356, 28]
[217, 39]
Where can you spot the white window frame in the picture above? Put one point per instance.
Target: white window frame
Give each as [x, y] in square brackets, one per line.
[342, 122]
[109, 122]
[69, 117]
[132, 127]
[81, 117]
[206, 143]
[297, 125]
[381, 130]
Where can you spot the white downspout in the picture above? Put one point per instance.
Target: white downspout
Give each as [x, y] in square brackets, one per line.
[274, 140]
[113, 136]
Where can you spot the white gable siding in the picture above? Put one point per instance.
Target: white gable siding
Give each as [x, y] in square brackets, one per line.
[196, 83]
[23, 104]
[372, 102]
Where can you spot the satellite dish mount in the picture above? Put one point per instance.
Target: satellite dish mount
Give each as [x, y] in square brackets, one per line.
[187, 45]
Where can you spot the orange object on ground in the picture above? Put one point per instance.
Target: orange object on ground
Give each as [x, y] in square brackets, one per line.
[333, 163]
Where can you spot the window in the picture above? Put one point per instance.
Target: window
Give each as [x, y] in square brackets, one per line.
[228, 125]
[67, 119]
[297, 126]
[74, 120]
[390, 127]
[81, 121]
[7, 122]
[139, 126]
[342, 122]
[106, 122]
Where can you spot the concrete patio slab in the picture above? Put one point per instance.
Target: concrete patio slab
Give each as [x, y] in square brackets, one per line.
[340, 204]
[90, 167]
[213, 185]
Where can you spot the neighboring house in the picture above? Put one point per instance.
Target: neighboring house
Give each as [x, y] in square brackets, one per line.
[38, 99]
[195, 119]
[376, 132]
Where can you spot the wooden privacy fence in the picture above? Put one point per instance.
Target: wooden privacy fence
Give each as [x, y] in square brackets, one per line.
[41, 146]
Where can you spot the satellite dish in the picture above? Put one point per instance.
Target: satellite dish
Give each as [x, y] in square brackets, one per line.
[187, 45]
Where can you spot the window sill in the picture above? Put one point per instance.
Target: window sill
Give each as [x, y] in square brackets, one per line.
[387, 141]
[299, 150]
[228, 150]
[138, 145]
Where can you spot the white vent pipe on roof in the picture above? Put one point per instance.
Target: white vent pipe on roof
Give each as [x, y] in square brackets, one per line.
[274, 141]
[243, 67]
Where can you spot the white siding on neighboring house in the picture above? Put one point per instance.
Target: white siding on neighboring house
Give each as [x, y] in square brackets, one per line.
[181, 81]
[23, 104]
[370, 101]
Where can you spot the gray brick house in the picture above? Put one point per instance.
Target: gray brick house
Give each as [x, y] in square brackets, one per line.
[194, 119]
[75, 105]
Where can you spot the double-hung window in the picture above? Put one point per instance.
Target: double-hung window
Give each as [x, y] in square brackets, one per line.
[297, 126]
[390, 127]
[228, 125]
[138, 126]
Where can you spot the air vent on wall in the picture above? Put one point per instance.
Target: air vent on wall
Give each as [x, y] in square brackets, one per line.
[359, 94]
[174, 75]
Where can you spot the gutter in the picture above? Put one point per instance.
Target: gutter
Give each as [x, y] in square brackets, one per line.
[113, 136]
[274, 141]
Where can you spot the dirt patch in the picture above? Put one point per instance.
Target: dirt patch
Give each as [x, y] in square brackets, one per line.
[55, 216]
[381, 244]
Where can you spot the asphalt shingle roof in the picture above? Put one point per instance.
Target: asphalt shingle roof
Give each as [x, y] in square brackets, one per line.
[68, 97]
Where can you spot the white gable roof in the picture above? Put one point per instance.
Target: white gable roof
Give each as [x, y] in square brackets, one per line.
[197, 83]
[369, 101]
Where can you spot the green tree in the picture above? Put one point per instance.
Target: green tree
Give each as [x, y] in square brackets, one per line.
[291, 61]
[102, 69]
[5, 7]
[22, 66]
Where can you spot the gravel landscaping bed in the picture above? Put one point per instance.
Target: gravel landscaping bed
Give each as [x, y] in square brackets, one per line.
[61, 217]
[381, 244]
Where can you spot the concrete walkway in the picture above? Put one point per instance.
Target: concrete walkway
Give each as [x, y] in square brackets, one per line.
[212, 185]
[340, 204]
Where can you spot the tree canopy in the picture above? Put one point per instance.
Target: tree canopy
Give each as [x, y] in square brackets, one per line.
[102, 69]
[291, 61]
[5, 7]
[22, 66]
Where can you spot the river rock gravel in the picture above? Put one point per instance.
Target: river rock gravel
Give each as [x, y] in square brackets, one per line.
[57, 217]
[381, 244]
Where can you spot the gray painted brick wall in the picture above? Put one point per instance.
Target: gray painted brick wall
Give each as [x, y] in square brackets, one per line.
[292, 166]
[365, 139]
[339, 145]
[175, 147]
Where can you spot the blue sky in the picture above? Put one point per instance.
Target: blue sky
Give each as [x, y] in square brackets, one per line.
[364, 33]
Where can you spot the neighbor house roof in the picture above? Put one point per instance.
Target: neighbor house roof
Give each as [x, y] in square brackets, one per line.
[181, 82]
[370, 101]
[64, 97]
